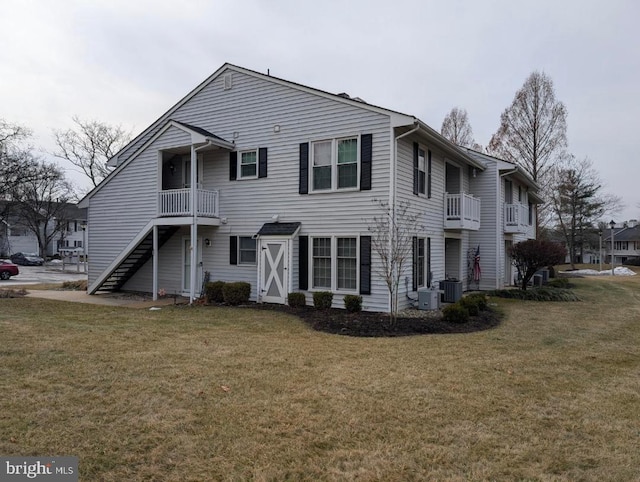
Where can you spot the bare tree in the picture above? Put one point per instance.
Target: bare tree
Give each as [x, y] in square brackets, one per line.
[533, 130]
[578, 202]
[16, 158]
[90, 145]
[457, 128]
[17, 163]
[41, 203]
[392, 240]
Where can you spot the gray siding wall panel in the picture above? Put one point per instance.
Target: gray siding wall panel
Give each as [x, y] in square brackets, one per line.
[251, 109]
[486, 185]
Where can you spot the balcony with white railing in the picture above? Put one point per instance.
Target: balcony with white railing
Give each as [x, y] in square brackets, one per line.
[516, 218]
[461, 211]
[177, 202]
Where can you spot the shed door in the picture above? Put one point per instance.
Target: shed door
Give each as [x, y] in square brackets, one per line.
[274, 270]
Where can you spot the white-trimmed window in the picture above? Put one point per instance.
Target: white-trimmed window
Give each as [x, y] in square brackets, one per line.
[422, 171]
[335, 164]
[248, 165]
[347, 264]
[247, 248]
[335, 263]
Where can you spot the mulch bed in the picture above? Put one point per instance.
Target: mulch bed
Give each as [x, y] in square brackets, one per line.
[370, 324]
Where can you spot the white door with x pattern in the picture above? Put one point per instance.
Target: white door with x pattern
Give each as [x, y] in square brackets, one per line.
[274, 270]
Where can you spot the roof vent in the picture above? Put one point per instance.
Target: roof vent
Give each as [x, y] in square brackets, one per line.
[228, 81]
[344, 95]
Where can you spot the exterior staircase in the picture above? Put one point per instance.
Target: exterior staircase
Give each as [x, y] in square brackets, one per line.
[137, 256]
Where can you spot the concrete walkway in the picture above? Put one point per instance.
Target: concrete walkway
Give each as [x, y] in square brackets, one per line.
[109, 299]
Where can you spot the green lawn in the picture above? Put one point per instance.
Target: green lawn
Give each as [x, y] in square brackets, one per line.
[234, 394]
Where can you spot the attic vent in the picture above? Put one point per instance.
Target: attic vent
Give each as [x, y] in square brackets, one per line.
[228, 81]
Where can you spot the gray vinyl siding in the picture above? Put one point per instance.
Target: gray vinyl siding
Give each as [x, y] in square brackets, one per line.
[250, 109]
[125, 204]
[430, 210]
[487, 185]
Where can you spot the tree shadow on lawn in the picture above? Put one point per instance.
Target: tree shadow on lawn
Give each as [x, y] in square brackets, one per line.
[372, 324]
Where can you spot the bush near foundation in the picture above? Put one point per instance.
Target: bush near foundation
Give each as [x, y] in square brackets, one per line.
[322, 300]
[236, 293]
[297, 300]
[213, 292]
[353, 303]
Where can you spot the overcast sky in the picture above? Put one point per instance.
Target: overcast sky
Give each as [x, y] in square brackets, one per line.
[127, 62]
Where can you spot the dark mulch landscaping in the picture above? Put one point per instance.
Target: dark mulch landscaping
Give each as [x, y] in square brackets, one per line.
[369, 324]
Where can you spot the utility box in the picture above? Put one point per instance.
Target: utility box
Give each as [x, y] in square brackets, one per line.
[428, 298]
[451, 291]
[545, 275]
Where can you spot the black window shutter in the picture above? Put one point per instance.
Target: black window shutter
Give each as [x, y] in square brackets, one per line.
[303, 262]
[366, 155]
[429, 176]
[414, 246]
[262, 162]
[415, 168]
[429, 262]
[365, 265]
[233, 250]
[304, 168]
[233, 166]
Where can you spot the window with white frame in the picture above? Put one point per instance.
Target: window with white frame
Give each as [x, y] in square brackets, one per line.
[335, 263]
[322, 263]
[335, 164]
[248, 165]
[347, 264]
[247, 247]
[422, 171]
[621, 245]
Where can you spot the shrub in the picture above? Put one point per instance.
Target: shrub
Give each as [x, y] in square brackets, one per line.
[353, 303]
[472, 305]
[558, 283]
[538, 294]
[479, 299]
[322, 300]
[79, 285]
[455, 313]
[11, 293]
[297, 300]
[236, 293]
[213, 292]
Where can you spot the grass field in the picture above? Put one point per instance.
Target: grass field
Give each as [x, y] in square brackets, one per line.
[234, 394]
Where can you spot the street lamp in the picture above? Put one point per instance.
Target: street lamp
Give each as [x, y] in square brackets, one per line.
[600, 248]
[613, 225]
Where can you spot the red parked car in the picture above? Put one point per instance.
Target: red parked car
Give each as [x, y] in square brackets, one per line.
[8, 269]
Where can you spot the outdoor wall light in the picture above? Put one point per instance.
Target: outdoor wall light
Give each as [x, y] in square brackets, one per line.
[172, 168]
[207, 242]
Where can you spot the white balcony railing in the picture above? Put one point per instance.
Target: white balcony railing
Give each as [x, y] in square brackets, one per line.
[461, 211]
[177, 202]
[516, 218]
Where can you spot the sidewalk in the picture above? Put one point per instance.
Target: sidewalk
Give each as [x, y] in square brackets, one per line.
[109, 299]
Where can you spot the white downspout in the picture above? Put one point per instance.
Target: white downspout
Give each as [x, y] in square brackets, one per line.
[393, 181]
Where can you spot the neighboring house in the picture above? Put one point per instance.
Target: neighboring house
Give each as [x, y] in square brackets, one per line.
[508, 215]
[16, 237]
[74, 238]
[254, 178]
[626, 243]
